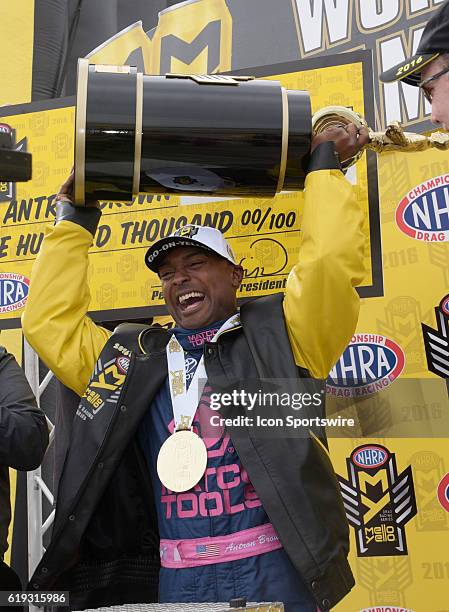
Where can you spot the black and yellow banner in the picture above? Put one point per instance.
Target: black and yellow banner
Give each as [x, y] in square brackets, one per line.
[263, 233]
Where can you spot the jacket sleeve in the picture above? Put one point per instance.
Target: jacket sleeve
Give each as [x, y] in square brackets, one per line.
[321, 305]
[55, 321]
[23, 427]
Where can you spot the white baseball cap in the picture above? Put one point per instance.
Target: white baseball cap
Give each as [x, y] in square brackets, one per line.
[207, 238]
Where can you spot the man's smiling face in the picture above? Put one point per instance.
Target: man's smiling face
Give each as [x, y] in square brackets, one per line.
[199, 287]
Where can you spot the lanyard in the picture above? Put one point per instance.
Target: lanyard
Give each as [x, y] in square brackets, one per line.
[185, 401]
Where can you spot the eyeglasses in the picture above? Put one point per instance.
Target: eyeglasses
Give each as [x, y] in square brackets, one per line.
[423, 84]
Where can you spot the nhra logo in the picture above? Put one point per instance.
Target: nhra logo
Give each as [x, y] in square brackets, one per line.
[13, 291]
[444, 306]
[443, 492]
[436, 341]
[423, 213]
[378, 502]
[370, 456]
[370, 363]
[122, 364]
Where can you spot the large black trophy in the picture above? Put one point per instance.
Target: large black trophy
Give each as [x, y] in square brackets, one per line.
[197, 135]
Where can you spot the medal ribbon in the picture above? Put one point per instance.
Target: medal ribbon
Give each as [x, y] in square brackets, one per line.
[185, 401]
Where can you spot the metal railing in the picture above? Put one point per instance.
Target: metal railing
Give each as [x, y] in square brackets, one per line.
[36, 487]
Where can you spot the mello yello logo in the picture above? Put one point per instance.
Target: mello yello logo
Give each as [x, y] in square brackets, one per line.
[423, 213]
[370, 363]
[378, 501]
[13, 291]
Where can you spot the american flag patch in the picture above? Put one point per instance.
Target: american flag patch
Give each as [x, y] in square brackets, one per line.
[208, 550]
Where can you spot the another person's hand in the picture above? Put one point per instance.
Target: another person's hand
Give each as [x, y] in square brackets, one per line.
[348, 139]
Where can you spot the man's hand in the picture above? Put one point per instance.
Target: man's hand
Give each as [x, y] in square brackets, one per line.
[65, 192]
[86, 216]
[348, 139]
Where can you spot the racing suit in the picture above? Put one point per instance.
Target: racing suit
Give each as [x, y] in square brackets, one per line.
[320, 311]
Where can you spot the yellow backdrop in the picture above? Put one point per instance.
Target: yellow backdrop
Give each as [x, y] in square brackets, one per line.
[406, 423]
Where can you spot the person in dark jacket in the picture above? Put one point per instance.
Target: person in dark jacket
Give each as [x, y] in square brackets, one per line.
[265, 519]
[23, 442]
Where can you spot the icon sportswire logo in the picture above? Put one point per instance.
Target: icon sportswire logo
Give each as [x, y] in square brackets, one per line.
[423, 214]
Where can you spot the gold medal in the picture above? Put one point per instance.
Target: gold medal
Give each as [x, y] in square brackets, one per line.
[182, 461]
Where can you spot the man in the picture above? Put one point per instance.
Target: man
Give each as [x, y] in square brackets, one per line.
[263, 520]
[429, 67]
[23, 441]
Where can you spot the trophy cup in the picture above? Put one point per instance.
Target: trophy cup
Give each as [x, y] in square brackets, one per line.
[214, 135]
[186, 134]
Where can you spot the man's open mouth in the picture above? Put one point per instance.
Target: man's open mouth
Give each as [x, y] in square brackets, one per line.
[191, 300]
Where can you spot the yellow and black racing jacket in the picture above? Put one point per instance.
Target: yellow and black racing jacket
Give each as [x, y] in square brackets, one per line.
[104, 545]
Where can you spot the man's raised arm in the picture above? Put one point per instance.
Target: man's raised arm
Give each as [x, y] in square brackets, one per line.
[55, 321]
[321, 304]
